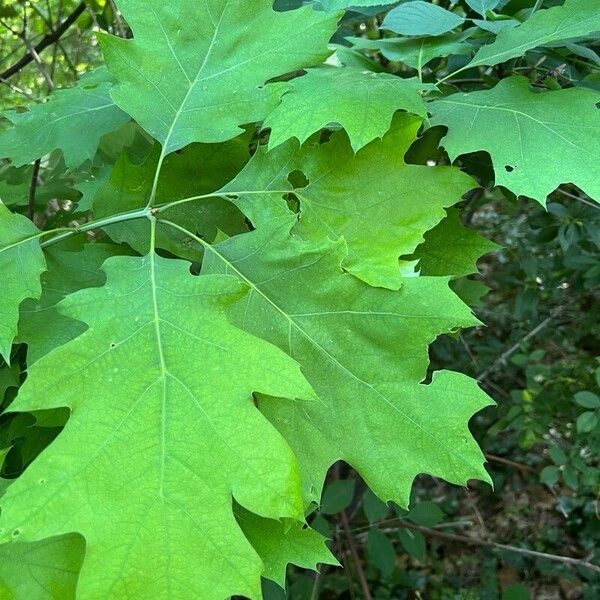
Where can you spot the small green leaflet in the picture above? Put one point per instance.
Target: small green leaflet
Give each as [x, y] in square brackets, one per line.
[540, 139]
[420, 18]
[576, 18]
[161, 386]
[21, 264]
[348, 337]
[205, 73]
[371, 195]
[418, 51]
[44, 570]
[59, 123]
[381, 551]
[495, 27]
[362, 102]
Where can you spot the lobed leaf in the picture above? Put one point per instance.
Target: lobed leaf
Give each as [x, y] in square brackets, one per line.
[364, 351]
[537, 140]
[416, 52]
[576, 18]
[205, 72]
[371, 195]
[21, 264]
[58, 123]
[163, 434]
[361, 102]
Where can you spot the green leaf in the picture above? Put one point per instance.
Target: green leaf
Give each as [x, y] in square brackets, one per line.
[361, 102]
[537, 140]
[576, 18]
[374, 413]
[450, 248]
[352, 196]
[15, 185]
[375, 510]
[550, 475]
[73, 120]
[21, 264]
[417, 52]
[495, 27]
[482, 6]
[163, 432]
[426, 513]
[414, 543]
[587, 400]
[337, 496]
[280, 544]
[586, 422]
[382, 554]
[557, 454]
[44, 570]
[420, 18]
[205, 73]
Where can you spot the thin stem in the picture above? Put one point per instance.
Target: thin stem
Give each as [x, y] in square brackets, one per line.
[162, 207]
[420, 63]
[98, 224]
[508, 353]
[578, 198]
[364, 585]
[537, 6]
[33, 189]
[66, 232]
[453, 537]
[511, 463]
[154, 190]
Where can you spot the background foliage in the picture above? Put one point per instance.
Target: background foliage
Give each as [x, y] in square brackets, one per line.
[538, 354]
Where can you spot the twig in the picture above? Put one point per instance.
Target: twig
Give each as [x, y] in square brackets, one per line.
[511, 463]
[17, 90]
[508, 353]
[38, 62]
[118, 20]
[48, 40]
[355, 558]
[50, 25]
[463, 539]
[578, 198]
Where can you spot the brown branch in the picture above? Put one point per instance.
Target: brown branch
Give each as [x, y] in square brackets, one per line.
[364, 586]
[511, 463]
[48, 40]
[463, 539]
[514, 348]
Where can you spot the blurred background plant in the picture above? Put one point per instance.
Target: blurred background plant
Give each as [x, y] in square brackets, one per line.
[537, 533]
